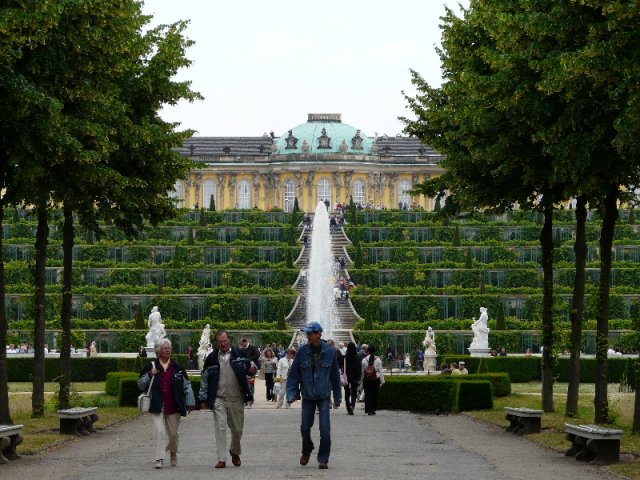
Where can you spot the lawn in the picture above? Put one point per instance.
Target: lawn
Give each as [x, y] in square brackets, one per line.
[552, 434]
[42, 433]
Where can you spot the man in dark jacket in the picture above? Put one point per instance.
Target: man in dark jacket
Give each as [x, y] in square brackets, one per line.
[250, 352]
[314, 375]
[224, 388]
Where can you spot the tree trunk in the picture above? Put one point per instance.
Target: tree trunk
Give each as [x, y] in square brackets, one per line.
[546, 242]
[577, 308]
[67, 296]
[42, 240]
[5, 416]
[636, 403]
[601, 401]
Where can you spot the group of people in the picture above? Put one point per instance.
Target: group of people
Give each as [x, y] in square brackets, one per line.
[311, 374]
[454, 369]
[91, 350]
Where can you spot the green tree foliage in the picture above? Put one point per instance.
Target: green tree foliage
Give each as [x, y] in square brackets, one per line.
[468, 260]
[359, 261]
[456, 237]
[108, 154]
[140, 323]
[202, 218]
[212, 204]
[500, 321]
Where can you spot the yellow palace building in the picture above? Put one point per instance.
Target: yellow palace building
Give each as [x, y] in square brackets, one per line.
[322, 159]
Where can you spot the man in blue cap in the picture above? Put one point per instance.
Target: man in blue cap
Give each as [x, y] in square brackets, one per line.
[314, 375]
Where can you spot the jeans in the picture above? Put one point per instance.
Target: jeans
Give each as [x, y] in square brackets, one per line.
[308, 416]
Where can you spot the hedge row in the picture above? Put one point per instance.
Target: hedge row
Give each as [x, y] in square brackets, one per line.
[128, 391]
[430, 394]
[527, 369]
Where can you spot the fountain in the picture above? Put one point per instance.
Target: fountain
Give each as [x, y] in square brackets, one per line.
[321, 305]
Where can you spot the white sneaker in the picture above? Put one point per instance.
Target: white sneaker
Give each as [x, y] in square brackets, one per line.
[158, 464]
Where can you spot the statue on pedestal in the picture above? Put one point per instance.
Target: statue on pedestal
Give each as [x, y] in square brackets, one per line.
[156, 328]
[480, 331]
[430, 353]
[205, 340]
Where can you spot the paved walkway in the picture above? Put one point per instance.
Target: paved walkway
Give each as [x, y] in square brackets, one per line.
[389, 445]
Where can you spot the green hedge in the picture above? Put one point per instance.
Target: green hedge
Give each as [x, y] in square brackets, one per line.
[615, 369]
[474, 395]
[112, 384]
[500, 382]
[434, 394]
[128, 391]
[417, 394]
[82, 369]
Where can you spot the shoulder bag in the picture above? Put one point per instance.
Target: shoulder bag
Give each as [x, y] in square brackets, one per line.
[144, 399]
[343, 376]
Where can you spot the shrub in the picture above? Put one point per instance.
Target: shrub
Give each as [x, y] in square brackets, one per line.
[112, 384]
[474, 395]
[418, 394]
[128, 392]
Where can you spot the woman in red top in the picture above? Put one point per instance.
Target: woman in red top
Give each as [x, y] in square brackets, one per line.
[171, 398]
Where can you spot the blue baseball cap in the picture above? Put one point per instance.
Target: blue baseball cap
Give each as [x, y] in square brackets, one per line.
[312, 327]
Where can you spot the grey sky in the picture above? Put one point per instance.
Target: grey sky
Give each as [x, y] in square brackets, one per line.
[263, 66]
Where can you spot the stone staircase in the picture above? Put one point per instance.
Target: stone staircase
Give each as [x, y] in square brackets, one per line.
[346, 313]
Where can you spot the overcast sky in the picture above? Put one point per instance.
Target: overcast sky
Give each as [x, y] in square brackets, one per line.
[263, 66]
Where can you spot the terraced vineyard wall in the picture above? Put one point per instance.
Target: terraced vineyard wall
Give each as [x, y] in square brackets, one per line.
[416, 271]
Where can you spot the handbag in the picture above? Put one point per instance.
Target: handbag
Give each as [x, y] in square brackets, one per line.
[144, 399]
[343, 376]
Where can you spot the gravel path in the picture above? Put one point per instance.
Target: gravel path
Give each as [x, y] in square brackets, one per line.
[389, 445]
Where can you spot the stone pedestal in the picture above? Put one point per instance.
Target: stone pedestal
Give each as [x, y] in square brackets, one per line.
[201, 357]
[479, 352]
[429, 363]
[151, 352]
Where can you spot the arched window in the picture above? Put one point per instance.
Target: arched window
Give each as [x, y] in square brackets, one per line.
[208, 190]
[404, 198]
[177, 193]
[324, 190]
[358, 192]
[289, 195]
[244, 194]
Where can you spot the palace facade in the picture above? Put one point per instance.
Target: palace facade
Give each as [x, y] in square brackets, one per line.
[322, 159]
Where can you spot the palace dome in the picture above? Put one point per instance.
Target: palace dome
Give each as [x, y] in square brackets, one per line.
[324, 133]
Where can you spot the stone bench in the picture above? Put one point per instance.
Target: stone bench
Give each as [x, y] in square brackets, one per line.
[523, 420]
[594, 444]
[78, 421]
[10, 438]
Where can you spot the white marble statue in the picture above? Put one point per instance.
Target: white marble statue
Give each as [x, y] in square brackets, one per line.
[480, 331]
[430, 353]
[429, 342]
[205, 340]
[156, 328]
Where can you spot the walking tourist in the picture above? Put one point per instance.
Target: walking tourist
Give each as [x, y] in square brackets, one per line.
[372, 380]
[314, 375]
[224, 388]
[171, 398]
[352, 366]
[269, 366]
[282, 374]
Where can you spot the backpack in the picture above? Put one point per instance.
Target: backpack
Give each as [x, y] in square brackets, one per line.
[370, 374]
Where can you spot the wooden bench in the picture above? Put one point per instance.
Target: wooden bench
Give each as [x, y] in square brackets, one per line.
[594, 444]
[78, 421]
[523, 420]
[10, 438]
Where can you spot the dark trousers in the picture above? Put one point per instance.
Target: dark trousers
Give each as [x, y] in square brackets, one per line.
[351, 393]
[268, 380]
[371, 396]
